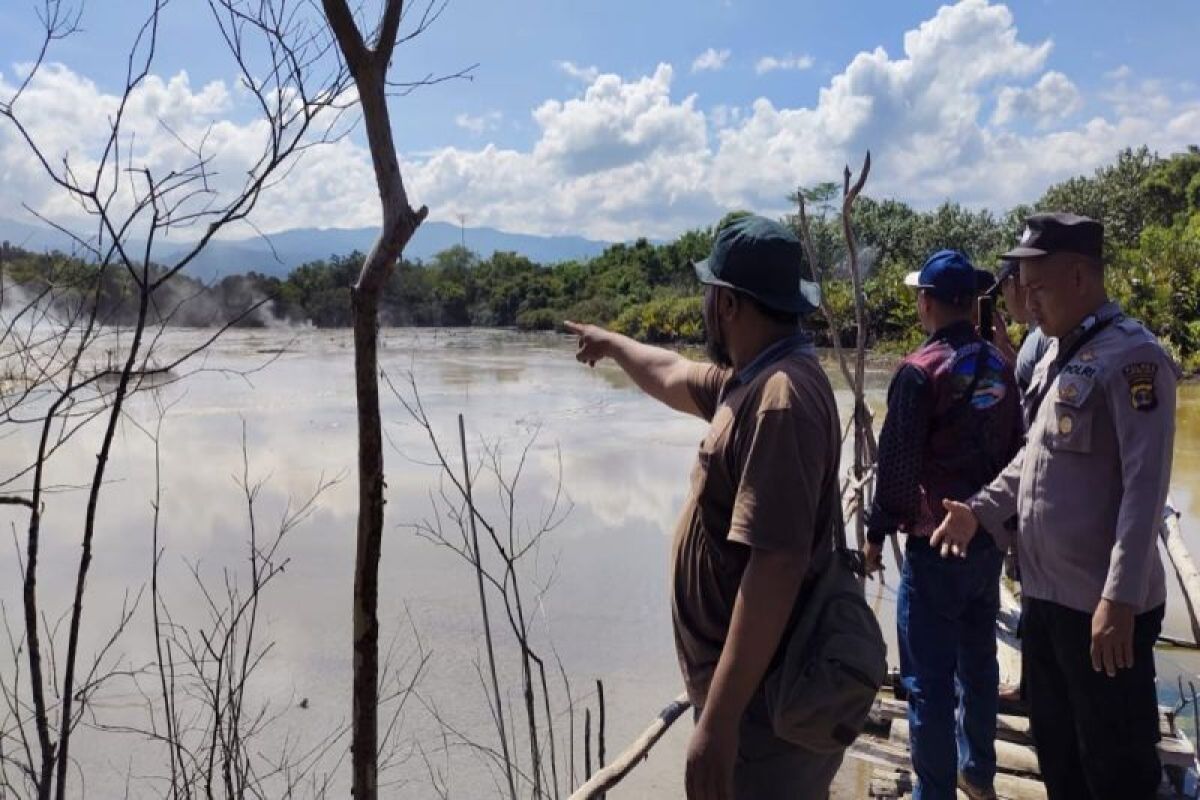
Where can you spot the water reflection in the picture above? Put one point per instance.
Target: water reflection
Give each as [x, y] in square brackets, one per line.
[624, 463]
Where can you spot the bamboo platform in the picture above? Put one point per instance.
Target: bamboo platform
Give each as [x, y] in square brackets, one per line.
[886, 746]
[886, 742]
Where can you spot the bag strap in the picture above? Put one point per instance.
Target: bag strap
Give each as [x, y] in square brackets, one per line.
[1035, 402]
[962, 404]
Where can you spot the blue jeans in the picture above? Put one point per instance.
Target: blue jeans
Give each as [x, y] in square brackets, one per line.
[946, 620]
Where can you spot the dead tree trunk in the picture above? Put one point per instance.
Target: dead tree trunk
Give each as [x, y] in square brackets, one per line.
[369, 66]
[862, 416]
[860, 483]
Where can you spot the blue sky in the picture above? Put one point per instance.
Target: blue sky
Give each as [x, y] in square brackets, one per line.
[608, 119]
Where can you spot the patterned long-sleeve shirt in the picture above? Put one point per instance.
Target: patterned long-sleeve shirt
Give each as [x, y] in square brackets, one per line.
[953, 422]
[901, 449]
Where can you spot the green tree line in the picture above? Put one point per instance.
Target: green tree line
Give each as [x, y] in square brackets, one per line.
[1150, 206]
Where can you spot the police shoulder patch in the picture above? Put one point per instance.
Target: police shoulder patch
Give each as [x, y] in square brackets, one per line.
[1140, 377]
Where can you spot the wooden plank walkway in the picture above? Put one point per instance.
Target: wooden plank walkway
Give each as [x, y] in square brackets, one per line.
[886, 747]
[886, 744]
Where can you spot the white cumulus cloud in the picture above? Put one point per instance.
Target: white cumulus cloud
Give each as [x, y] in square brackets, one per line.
[480, 123]
[166, 122]
[624, 156]
[620, 156]
[711, 60]
[585, 74]
[789, 62]
[1051, 99]
[616, 123]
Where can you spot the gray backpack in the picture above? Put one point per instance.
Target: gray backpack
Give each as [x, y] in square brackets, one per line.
[821, 690]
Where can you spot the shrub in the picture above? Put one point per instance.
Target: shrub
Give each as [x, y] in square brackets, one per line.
[664, 319]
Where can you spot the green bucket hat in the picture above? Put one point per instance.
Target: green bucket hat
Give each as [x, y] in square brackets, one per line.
[761, 258]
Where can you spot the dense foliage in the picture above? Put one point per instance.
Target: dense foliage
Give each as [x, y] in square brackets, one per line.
[1150, 206]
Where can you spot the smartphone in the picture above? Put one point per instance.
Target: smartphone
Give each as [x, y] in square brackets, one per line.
[987, 311]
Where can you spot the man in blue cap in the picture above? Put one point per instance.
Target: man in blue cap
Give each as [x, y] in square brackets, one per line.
[953, 422]
[764, 501]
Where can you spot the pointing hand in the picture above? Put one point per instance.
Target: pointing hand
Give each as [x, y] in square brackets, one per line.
[593, 342]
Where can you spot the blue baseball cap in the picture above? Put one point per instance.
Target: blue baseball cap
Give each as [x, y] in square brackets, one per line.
[764, 259]
[947, 275]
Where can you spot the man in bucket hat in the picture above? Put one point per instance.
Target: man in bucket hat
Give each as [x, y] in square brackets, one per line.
[764, 499]
[953, 422]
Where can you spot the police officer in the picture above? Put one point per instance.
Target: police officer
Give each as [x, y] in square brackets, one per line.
[1089, 489]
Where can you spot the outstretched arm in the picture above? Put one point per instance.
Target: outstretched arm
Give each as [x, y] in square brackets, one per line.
[660, 373]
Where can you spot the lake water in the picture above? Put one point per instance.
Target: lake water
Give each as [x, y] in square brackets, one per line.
[623, 462]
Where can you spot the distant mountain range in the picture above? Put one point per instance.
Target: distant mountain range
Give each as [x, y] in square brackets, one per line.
[295, 247]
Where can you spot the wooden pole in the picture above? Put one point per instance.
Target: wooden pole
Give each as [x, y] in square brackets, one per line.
[898, 784]
[587, 744]
[1185, 569]
[605, 779]
[1010, 757]
[600, 729]
[862, 418]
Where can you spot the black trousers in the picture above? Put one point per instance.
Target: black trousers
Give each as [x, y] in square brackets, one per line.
[1096, 736]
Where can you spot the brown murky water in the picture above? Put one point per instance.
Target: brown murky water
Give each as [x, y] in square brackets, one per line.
[624, 464]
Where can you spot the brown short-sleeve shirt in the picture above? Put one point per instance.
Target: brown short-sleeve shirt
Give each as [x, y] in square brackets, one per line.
[766, 477]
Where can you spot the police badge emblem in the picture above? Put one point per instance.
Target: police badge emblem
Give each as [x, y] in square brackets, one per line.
[1140, 377]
